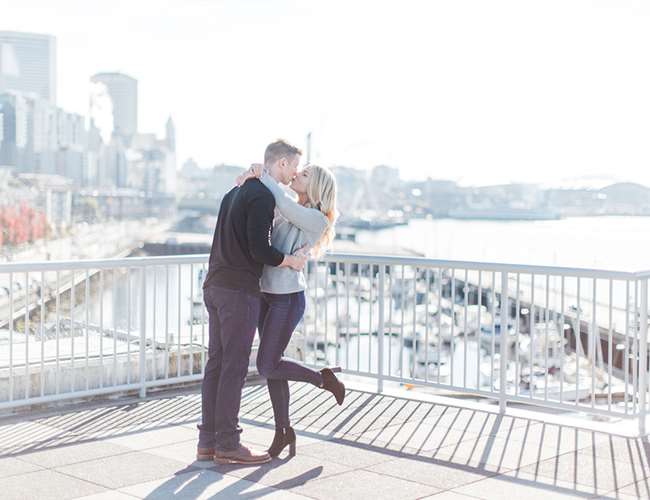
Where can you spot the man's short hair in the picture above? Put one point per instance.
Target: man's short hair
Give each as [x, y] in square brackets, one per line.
[280, 149]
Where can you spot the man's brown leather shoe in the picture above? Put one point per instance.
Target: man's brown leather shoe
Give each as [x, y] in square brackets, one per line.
[242, 455]
[205, 453]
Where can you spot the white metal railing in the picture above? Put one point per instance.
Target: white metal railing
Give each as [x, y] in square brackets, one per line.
[572, 339]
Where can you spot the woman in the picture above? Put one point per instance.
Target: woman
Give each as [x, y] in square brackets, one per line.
[305, 224]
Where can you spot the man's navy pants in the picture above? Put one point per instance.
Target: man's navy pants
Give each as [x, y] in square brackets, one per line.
[233, 317]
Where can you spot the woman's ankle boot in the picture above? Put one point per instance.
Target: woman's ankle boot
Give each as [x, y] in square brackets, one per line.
[284, 436]
[333, 384]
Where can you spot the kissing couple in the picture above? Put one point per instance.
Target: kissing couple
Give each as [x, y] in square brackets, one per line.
[255, 279]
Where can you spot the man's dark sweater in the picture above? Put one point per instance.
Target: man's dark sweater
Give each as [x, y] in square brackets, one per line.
[242, 238]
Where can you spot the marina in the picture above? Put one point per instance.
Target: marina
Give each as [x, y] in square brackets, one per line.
[568, 336]
[431, 332]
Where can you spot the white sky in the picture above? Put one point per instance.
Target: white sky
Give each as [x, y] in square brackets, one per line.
[478, 91]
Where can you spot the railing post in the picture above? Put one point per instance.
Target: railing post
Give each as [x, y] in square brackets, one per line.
[143, 338]
[503, 347]
[380, 328]
[643, 357]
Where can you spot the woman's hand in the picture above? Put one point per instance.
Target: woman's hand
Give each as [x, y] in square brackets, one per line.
[255, 171]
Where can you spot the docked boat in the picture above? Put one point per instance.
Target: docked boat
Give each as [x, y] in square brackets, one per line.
[547, 348]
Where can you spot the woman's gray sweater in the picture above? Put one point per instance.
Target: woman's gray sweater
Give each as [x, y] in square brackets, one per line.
[293, 227]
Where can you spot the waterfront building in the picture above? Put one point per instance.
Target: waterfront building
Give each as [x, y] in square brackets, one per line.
[28, 64]
[13, 109]
[152, 161]
[123, 92]
[41, 138]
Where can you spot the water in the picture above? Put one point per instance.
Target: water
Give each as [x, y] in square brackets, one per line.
[612, 243]
[616, 243]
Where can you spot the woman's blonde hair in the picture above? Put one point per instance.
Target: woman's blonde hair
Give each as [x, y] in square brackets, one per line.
[321, 192]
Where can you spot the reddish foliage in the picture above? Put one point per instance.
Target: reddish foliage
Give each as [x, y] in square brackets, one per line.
[21, 224]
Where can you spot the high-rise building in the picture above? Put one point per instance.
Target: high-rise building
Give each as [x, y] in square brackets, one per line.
[28, 64]
[15, 118]
[123, 91]
[152, 162]
[170, 134]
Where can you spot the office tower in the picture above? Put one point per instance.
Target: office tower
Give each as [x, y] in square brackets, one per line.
[170, 134]
[28, 64]
[15, 114]
[123, 91]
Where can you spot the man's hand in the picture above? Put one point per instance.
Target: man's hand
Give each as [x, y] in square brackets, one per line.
[304, 250]
[295, 262]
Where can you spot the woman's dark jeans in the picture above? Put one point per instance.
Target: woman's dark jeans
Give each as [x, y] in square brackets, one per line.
[279, 316]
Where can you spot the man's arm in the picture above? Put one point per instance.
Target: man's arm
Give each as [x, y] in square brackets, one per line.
[259, 223]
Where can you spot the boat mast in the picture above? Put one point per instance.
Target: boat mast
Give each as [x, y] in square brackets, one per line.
[308, 148]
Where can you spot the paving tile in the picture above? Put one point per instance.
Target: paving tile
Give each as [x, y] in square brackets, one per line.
[124, 470]
[204, 484]
[45, 485]
[364, 484]
[66, 455]
[85, 419]
[600, 475]
[108, 495]
[621, 449]
[255, 397]
[112, 420]
[521, 486]
[17, 437]
[448, 495]
[392, 412]
[619, 496]
[144, 440]
[443, 475]
[312, 402]
[308, 401]
[475, 421]
[13, 466]
[401, 410]
[345, 453]
[638, 489]
[563, 438]
[327, 423]
[362, 410]
[384, 446]
[501, 454]
[368, 419]
[544, 482]
[285, 473]
[262, 436]
[417, 435]
[183, 452]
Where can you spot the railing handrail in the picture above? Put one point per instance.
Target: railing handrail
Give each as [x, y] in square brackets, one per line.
[179, 344]
[352, 258]
[477, 266]
[110, 263]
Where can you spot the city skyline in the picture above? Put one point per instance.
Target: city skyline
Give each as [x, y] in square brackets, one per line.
[479, 109]
[104, 150]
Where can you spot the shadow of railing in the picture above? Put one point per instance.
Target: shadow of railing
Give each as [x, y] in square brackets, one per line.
[559, 458]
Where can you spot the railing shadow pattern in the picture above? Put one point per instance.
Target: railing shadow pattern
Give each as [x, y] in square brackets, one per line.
[552, 457]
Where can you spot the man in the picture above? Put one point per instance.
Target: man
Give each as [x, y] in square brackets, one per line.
[240, 249]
